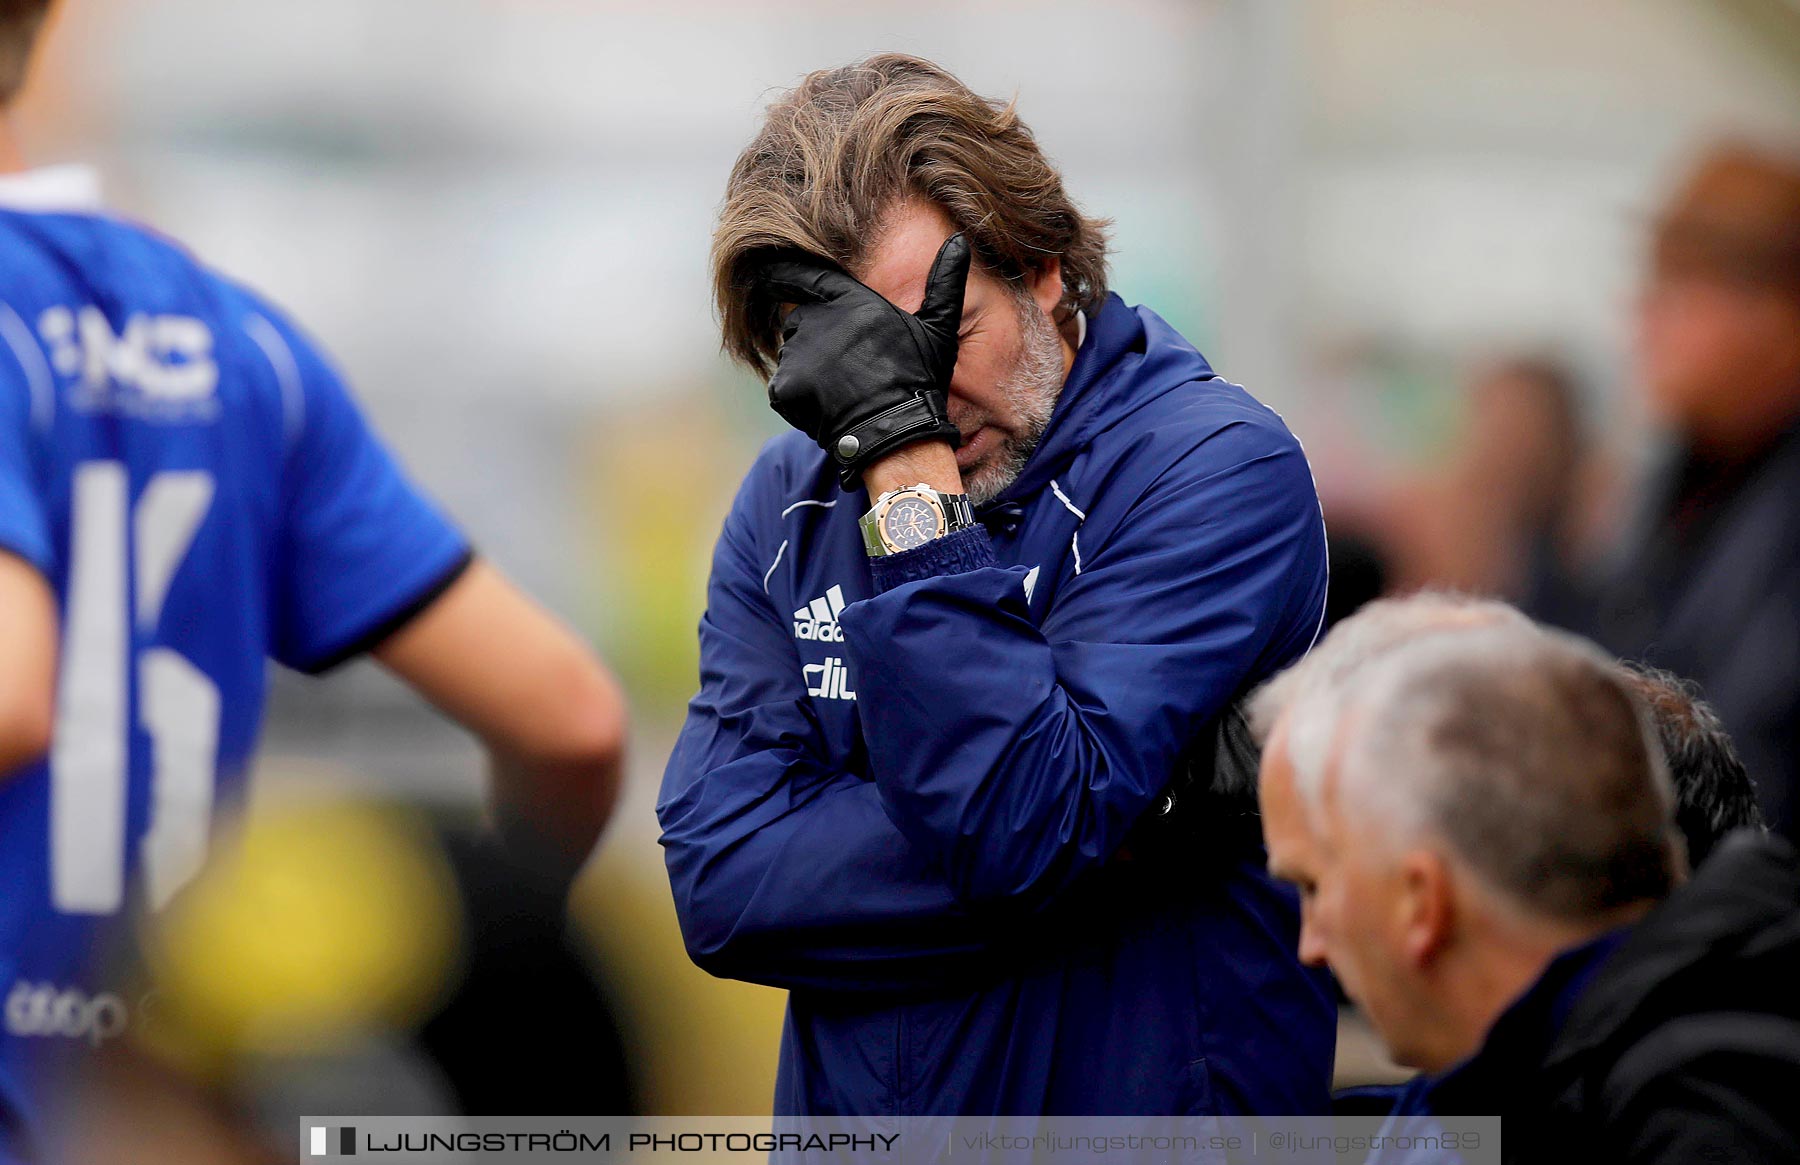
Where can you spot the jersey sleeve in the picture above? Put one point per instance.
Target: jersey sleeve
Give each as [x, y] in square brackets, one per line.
[24, 525]
[361, 549]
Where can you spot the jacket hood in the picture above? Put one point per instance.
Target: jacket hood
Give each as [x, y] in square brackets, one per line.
[1130, 357]
[1709, 947]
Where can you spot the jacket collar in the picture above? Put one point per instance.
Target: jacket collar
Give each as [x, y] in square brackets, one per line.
[1523, 1035]
[1750, 884]
[1128, 357]
[52, 190]
[1589, 994]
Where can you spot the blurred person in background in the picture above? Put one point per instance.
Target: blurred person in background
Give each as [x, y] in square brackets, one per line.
[1511, 512]
[186, 490]
[1709, 584]
[964, 627]
[1481, 828]
[1360, 571]
[1520, 481]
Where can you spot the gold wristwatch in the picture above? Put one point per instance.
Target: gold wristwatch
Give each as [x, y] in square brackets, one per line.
[902, 519]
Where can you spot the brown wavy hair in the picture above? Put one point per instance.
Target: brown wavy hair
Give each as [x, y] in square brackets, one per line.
[836, 153]
[20, 21]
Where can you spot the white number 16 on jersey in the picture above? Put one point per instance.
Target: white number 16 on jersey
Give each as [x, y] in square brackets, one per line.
[178, 705]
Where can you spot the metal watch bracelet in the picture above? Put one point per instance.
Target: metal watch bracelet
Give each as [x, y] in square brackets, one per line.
[950, 512]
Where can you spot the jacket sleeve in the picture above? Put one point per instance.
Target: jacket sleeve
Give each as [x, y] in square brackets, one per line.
[1046, 744]
[1725, 1107]
[785, 869]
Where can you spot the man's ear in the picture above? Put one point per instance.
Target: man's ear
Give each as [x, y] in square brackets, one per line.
[1046, 286]
[1426, 905]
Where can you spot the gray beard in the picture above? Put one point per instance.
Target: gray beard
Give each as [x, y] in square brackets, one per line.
[1032, 389]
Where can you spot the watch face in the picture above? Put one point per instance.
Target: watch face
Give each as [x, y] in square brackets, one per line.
[910, 522]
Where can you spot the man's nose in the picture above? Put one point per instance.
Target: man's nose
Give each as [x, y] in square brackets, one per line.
[1312, 946]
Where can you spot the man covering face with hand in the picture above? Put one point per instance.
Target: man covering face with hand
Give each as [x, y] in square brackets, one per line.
[966, 627]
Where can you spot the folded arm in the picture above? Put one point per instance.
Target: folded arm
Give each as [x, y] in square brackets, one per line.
[785, 867]
[1046, 744]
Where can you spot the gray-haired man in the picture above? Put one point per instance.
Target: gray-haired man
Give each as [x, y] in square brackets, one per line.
[1484, 844]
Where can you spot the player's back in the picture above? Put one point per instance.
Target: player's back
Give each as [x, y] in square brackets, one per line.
[201, 493]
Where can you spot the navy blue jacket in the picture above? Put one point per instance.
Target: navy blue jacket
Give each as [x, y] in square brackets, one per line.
[904, 787]
[1674, 1040]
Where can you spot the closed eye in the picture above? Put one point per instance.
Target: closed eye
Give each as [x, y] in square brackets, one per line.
[1306, 886]
[971, 320]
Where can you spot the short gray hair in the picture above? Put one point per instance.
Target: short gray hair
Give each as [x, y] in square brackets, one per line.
[1523, 751]
[1320, 678]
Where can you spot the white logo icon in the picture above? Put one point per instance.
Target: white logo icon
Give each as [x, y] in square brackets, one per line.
[39, 1009]
[818, 619]
[165, 360]
[828, 680]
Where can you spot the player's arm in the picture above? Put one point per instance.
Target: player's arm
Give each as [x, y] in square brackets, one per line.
[27, 663]
[549, 713]
[28, 611]
[367, 563]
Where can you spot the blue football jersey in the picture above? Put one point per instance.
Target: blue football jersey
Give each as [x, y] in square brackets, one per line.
[201, 491]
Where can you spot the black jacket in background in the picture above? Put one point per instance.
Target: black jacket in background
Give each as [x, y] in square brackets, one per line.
[1683, 1047]
[1710, 590]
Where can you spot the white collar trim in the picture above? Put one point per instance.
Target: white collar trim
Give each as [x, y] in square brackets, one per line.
[51, 189]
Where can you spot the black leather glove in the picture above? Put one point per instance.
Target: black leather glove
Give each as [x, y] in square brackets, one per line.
[857, 374]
